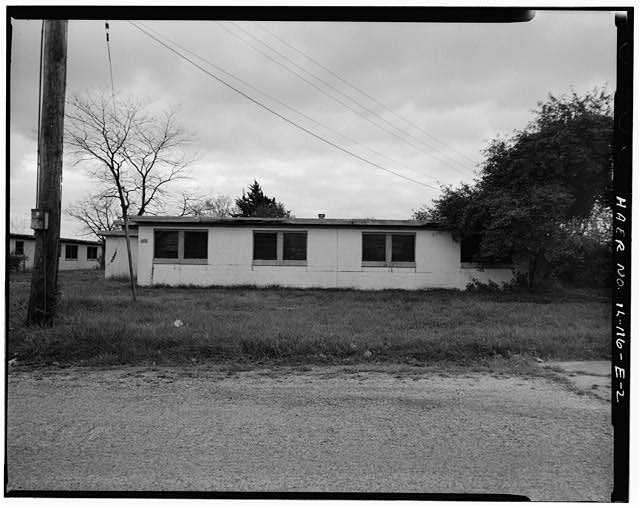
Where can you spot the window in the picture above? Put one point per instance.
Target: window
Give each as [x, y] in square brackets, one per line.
[19, 248]
[195, 244]
[403, 248]
[469, 247]
[470, 250]
[71, 252]
[389, 249]
[280, 248]
[92, 252]
[373, 246]
[265, 246]
[165, 244]
[294, 246]
[180, 246]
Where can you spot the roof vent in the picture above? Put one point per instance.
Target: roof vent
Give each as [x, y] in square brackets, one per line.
[320, 216]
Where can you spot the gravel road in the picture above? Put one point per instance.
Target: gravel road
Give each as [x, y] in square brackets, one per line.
[322, 430]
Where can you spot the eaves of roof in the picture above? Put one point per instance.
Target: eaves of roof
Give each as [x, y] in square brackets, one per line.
[21, 236]
[287, 222]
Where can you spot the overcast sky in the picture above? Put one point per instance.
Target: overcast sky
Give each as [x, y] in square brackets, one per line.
[446, 91]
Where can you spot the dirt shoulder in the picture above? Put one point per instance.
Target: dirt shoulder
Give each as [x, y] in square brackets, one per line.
[589, 377]
[592, 378]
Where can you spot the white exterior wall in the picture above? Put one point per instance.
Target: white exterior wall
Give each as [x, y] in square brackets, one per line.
[334, 259]
[29, 250]
[116, 259]
[82, 263]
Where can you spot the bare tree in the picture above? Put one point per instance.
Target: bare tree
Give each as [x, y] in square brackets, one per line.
[97, 213]
[201, 206]
[21, 225]
[131, 153]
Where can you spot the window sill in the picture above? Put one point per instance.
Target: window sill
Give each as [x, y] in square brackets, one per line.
[162, 261]
[392, 264]
[284, 262]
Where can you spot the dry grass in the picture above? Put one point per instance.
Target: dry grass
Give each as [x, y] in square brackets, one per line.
[98, 324]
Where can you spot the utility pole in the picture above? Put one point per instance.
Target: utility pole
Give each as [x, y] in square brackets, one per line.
[128, 240]
[45, 218]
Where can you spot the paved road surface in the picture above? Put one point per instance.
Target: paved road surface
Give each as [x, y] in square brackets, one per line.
[321, 430]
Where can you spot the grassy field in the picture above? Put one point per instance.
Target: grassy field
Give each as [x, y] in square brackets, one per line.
[97, 324]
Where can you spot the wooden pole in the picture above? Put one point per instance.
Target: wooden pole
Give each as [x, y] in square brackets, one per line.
[44, 278]
[128, 241]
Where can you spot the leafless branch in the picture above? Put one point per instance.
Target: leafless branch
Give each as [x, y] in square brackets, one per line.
[131, 154]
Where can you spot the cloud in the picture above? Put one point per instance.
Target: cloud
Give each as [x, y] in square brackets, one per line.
[462, 84]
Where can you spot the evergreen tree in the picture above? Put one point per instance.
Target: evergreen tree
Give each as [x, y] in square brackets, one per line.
[256, 203]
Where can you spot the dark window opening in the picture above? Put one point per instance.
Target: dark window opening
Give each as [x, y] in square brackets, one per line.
[294, 246]
[374, 247]
[92, 252]
[470, 253]
[195, 244]
[19, 248]
[265, 246]
[71, 252]
[469, 248]
[403, 248]
[165, 244]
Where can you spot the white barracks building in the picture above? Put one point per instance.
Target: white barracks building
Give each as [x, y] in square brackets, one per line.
[319, 253]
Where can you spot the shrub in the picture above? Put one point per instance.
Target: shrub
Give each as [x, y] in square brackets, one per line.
[519, 283]
[583, 262]
[16, 261]
[475, 286]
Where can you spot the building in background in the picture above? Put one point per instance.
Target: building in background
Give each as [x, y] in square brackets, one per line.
[74, 254]
[324, 253]
[116, 261]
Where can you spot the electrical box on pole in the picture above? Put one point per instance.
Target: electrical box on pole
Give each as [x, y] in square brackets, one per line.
[39, 220]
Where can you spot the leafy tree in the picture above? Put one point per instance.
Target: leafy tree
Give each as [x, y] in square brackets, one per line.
[583, 258]
[256, 204]
[537, 186]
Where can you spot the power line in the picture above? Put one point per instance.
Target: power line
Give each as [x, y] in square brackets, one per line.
[113, 92]
[339, 101]
[348, 97]
[363, 107]
[255, 101]
[334, 98]
[275, 99]
[356, 88]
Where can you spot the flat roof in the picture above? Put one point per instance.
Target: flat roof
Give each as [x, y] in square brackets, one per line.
[21, 236]
[119, 232]
[293, 222]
